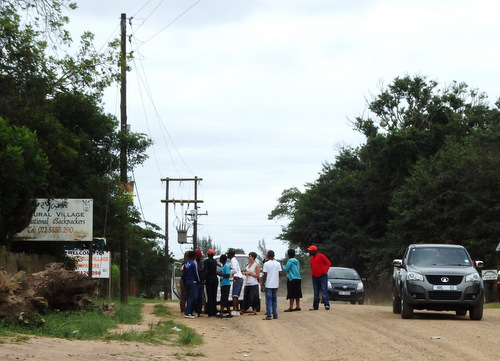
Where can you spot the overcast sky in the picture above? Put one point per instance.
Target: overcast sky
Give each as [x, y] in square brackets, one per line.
[254, 96]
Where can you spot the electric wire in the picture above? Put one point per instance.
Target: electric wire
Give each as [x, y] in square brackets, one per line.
[147, 17]
[171, 22]
[139, 200]
[147, 122]
[147, 88]
[141, 79]
[163, 128]
[115, 33]
[143, 83]
[142, 7]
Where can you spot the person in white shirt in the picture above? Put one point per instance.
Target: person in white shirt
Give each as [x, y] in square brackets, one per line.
[237, 277]
[270, 283]
[251, 291]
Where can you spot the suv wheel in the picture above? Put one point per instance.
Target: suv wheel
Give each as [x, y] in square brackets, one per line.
[406, 309]
[476, 312]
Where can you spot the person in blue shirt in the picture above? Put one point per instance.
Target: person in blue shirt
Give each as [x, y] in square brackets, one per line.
[191, 281]
[225, 285]
[293, 281]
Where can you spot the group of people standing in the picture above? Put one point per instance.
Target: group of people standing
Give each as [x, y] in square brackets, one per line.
[198, 276]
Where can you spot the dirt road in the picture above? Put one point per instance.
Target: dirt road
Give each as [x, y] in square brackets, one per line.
[346, 332]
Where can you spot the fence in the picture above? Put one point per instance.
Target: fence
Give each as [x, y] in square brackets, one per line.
[29, 263]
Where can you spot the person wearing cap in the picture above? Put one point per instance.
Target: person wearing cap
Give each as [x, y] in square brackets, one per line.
[320, 265]
[237, 280]
[211, 282]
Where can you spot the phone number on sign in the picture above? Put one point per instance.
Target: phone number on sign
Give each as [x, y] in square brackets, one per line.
[94, 273]
[55, 230]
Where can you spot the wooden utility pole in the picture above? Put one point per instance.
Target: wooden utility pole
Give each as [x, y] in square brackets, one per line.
[166, 285]
[123, 162]
[195, 220]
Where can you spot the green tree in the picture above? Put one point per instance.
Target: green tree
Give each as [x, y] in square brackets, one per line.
[204, 244]
[59, 99]
[148, 264]
[286, 204]
[23, 172]
[262, 247]
[454, 195]
[348, 210]
[55, 91]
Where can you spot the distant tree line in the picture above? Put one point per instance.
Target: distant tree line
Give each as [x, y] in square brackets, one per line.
[428, 172]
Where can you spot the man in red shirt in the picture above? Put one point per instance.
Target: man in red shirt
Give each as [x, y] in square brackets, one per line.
[319, 272]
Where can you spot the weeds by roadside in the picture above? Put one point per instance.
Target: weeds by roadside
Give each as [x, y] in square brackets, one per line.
[492, 305]
[92, 324]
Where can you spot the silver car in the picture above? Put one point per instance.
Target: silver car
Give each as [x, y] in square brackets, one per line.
[344, 284]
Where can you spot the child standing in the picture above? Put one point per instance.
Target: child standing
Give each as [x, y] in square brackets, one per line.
[225, 285]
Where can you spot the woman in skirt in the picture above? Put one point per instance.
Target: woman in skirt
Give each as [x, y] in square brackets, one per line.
[293, 281]
[251, 295]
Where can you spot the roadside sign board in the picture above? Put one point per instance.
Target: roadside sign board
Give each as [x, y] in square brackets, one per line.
[60, 220]
[489, 274]
[101, 262]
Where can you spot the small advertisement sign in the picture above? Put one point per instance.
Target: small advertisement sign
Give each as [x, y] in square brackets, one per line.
[489, 274]
[60, 220]
[101, 262]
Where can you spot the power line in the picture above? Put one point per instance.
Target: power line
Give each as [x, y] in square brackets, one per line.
[139, 199]
[143, 81]
[170, 23]
[146, 119]
[147, 17]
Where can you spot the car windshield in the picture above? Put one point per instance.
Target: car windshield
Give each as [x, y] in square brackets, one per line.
[343, 274]
[439, 256]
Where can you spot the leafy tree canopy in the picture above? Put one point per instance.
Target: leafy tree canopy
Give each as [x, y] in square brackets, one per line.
[425, 174]
[55, 139]
[23, 172]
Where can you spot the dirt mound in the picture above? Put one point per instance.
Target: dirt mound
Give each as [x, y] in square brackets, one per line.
[23, 296]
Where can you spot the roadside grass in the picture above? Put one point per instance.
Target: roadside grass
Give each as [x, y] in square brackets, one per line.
[492, 305]
[161, 311]
[128, 314]
[92, 324]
